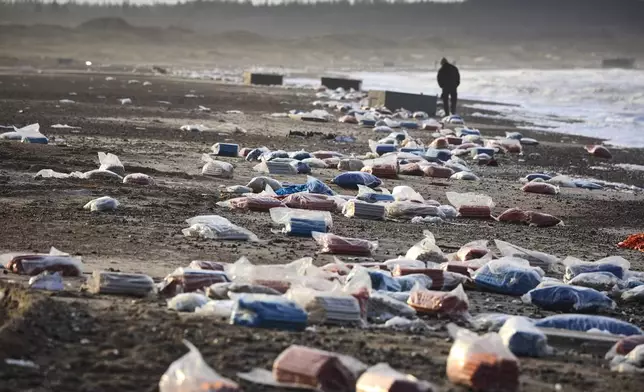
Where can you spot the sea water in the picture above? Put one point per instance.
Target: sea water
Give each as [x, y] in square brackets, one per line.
[602, 103]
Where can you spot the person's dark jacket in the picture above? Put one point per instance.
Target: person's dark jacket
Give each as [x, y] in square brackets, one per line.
[448, 77]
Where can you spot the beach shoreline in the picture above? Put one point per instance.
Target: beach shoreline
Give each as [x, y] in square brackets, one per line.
[96, 342]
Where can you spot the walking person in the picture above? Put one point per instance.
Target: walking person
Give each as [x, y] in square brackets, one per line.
[448, 79]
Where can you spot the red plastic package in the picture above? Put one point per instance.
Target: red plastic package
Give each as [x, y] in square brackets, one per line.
[540, 187]
[331, 243]
[206, 265]
[540, 219]
[411, 169]
[309, 201]
[382, 170]
[35, 264]
[254, 203]
[437, 171]
[439, 143]
[186, 280]
[452, 303]
[513, 215]
[454, 141]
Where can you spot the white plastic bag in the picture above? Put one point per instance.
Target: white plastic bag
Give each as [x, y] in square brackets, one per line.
[111, 162]
[634, 295]
[471, 205]
[216, 227]
[190, 373]
[138, 179]
[217, 169]
[406, 193]
[426, 250]
[258, 184]
[187, 302]
[101, 204]
[523, 339]
[465, 175]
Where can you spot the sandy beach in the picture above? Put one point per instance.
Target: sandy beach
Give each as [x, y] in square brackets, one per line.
[84, 342]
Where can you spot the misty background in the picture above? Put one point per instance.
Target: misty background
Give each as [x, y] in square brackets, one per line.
[342, 34]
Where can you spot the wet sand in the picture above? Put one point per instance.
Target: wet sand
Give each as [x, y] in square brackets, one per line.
[105, 343]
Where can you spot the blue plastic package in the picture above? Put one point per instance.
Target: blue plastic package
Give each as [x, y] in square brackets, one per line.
[384, 148]
[301, 227]
[507, 277]
[409, 124]
[291, 189]
[584, 322]
[467, 131]
[35, 139]
[368, 123]
[226, 149]
[314, 185]
[533, 176]
[300, 155]
[269, 156]
[373, 197]
[351, 180]
[254, 154]
[413, 150]
[268, 311]
[566, 298]
[482, 150]
[381, 281]
[523, 339]
[302, 168]
[584, 268]
[586, 184]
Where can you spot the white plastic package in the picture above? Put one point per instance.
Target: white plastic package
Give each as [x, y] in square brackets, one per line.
[426, 250]
[410, 209]
[536, 259]
[600, 281]
[218, 169]
[406, 193]
[191, 373]
[187, 302]
[101, 204]
[283, 215]
[259, 184]
[138, 179]
[218, 228]
[465, 175]
[635, 294]
[633, 362]
[111, 163]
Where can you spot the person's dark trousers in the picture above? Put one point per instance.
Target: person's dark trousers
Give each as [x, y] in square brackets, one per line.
[449, 96]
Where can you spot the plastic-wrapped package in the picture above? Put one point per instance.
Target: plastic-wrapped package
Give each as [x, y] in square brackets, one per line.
[186, 280]
[283, 215]
[315, 369]
[99, 174]
[101, 204]
[223, 290]
[625, 346]
[217, 169]
[310, 201]
[473, 250]
[138, 179]
[526, 141]
[221, 309]
[436, 275]
[217, 228]
[406, 193]
[268, 311]
[410, 209]
[407, 282]
[256, 153]
[350, 164]
[381, 280]
[452, 303]
[439, 143]
[104, 282]
[585, 322]
[523, 339]
[111, 163]
[536, 259]
[465, 176]
[540, 219]
[471, 205]
[190, 373]
[326, 307]
[238, 189]
[437, 171]
[382, 170]
[540, 187]
[207, 265]
[364, 210]
[489, 321]
[481, 363]
[616, 265]
[187, 302]
[404, 262]
[300, 155]
[382, 378]
[369, 195]
[331, 243]
[549, 282]
[602, 281]
[252, 203]
[566, 298]
[513, 215]
[562, 182]
[313, 185]
[635, 294]
[411, 169]
[315, 163]
[47, 281]
[426, 250]
[351, 180]
[226, 149]
[381, 307]
[34, 264]
[599, 151]
[258, 184]
[633, 362]
[507, 275]
[348, 119]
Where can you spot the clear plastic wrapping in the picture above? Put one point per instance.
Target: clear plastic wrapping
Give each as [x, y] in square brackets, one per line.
[104, 203]
[350, 164]
[326, 307]
[186, 280]
[310, 201]
[513, 215]
[426, 250]
[616, 265]
[471, 205]
[104, 282]
[625, 346]
[452, 303]
[268, 311]
[411, 169]
[382, 170]
[259, 184]
[535, 258]
[191, 373]
[482, 363]
[217, 228]
[47, 281]
[473, 250]
[383, 378]
[187, 302]
[138, 179]
[410, 209]
[283, 215]
[437, 171]
[331, 243]
[599, 151]
[111, 162]
[406, 193]
[34, 264]
[586, 322]
[207, 265]
[369, 195]
[511, 276]
[364, 210]
[635, 294]
[381, 307]
[523, 339]
[217, 169]
[601, 281]
[633, 362]
[259, 203]
[351, 180]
